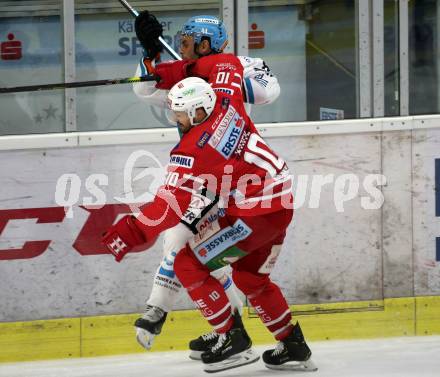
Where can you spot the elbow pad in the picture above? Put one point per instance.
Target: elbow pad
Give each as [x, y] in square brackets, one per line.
[259, 83]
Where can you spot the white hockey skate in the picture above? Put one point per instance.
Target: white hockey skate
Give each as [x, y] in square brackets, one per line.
[149, 325]
[144, 338]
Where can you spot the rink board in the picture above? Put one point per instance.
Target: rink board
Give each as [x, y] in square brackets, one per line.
[112, 335]
[66, 290]
[54, 266]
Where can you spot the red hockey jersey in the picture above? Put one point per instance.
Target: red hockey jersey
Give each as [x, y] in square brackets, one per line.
[224, 155]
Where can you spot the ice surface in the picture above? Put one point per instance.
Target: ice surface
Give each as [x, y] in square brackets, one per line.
[397, 357]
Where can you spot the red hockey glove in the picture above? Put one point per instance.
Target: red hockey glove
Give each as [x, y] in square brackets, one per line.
[170, 73]
[123, 237]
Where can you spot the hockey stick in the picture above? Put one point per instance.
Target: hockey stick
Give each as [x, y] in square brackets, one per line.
[167, 47]
[32, 88]
[81, 84]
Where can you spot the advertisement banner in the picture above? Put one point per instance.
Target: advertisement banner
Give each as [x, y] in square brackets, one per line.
[56, 203]
[106, 47]
[426, 215]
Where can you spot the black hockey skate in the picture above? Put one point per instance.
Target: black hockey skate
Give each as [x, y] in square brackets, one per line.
[292, 353]
[149, 325]
[233, 349]
[202, 344]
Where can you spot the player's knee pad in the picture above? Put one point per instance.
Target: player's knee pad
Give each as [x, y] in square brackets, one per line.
[250, 283]
[188, 269]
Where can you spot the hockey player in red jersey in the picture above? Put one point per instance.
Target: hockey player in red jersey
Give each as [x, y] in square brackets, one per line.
[200, 36]
[222, 152]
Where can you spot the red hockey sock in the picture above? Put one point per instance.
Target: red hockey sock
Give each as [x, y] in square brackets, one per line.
[273, 310]
[212, 301]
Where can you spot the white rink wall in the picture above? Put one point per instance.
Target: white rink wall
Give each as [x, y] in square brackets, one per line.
[328, 256]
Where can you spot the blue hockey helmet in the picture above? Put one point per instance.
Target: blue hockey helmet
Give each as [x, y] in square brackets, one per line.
[206, 26]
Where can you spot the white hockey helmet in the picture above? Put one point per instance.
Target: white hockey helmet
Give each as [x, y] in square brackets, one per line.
[190, 94]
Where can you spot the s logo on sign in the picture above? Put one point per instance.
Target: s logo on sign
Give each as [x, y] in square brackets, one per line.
[256, 38]
[11, 49]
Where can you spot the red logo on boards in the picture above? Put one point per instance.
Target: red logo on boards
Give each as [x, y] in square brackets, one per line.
[11, 49]
[88, 239]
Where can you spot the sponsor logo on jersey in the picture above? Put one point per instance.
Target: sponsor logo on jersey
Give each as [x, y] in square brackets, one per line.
[217, 121]
[183, 161]
[208, 231]
[203, 139]
[222, 126]
[230, 140]
[225, 103]
[202, 252]
[269, 264]
[260, 79]
[226, 66]
[224, 90]
[222, 240]
[242, 143]
[211, 219]
[207, 227]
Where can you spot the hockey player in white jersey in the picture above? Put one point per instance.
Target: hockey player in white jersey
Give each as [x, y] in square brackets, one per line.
[200, 36]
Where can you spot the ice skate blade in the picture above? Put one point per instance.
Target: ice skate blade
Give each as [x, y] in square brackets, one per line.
[244, 358]
[303, 366]
[144, 338]
[195, 355]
